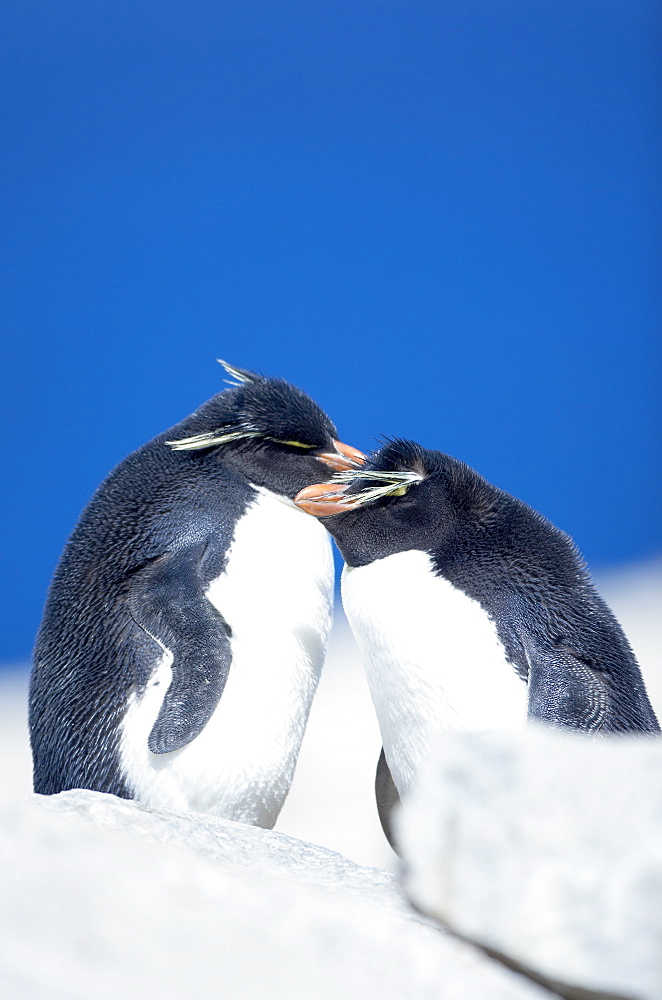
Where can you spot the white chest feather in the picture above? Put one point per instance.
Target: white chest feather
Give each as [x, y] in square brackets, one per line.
[276, 594]
[432, 656]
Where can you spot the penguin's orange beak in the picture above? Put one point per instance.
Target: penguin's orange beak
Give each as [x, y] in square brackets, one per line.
[343, 458]
[325, 499]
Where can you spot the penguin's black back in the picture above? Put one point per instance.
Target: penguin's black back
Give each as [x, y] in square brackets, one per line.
[90, 652]
[532, 581]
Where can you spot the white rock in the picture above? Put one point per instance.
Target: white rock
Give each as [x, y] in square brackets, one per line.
[546, 848]
[104, 898]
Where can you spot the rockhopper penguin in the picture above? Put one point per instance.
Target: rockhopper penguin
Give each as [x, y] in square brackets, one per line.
[187, 621]
[470, 609]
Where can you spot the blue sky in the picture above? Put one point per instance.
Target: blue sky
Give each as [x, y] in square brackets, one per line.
[441, 219]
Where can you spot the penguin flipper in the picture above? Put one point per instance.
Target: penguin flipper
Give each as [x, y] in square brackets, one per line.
[167, 601]
[387, 797]
[565, 690]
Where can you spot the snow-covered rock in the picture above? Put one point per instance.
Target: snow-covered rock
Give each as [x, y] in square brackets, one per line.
[545, 848]
[104, 898]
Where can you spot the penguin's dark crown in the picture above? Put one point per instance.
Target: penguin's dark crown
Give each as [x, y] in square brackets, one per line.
[256, 407]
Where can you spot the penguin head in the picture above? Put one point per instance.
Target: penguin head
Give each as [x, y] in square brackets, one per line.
[404, 497]
[269, 431]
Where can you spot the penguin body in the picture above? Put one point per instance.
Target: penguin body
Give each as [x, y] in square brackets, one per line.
[276, 595]
[471, 609]
[186, 624]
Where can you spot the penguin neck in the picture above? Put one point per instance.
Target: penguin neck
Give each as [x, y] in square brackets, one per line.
[433, 658]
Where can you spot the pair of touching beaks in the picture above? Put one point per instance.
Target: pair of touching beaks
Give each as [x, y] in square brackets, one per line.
[343, 458]
[326, 499]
